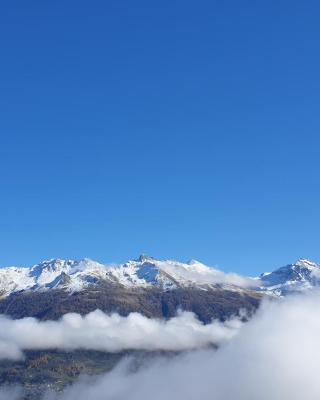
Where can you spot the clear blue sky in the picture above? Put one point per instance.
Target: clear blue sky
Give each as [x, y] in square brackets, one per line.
[176, 128]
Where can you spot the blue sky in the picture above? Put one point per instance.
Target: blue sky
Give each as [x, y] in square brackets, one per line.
[175, 128]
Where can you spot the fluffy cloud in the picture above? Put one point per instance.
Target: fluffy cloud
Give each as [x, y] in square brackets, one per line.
[273, 356]
[112, 333]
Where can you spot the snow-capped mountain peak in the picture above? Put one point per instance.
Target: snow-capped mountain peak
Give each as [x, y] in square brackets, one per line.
[144, 272]
[301, 275]
[305, 263]
[147, 272]
[144, 257]
[50, 267]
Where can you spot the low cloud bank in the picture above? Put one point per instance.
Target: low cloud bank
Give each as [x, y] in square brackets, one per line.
[274, 356]
[112, 333]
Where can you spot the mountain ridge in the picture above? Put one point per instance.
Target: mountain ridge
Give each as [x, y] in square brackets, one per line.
[146, 271]
[299, 276]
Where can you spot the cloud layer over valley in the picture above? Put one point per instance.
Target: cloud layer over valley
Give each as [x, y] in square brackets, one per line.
[273, 356]
[111, 333]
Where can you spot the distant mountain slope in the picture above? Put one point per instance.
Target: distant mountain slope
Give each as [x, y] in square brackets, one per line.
[145, 272]
[299, 276]
[155, 288]
[152, 302]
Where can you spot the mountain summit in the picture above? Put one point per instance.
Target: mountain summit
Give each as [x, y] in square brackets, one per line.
[148, 272]
[144, 272]
[301, 275]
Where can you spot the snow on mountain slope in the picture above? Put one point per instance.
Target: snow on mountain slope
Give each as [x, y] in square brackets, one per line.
[296, 277]
[145, 272]
[50, 274]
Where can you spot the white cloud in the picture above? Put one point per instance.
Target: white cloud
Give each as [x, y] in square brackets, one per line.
[274, 356]
[112, 333]
[202, 274]
[231, 278]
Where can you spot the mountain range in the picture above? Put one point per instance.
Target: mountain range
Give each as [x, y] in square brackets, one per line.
[146, 272]
[153, 288]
